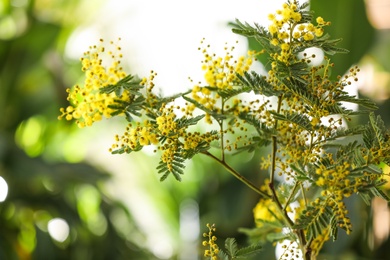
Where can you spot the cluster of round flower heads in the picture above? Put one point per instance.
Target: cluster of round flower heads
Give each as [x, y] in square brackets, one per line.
[220, 73]
[88, 104]
[210, 243]
[288, 31]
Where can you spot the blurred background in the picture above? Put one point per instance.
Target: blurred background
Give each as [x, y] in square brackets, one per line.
[64, 196]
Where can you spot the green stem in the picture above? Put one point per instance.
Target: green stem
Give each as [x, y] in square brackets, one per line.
[290, 196]
[238, 175]
[220, 122]
[274, 148]
[306, 252]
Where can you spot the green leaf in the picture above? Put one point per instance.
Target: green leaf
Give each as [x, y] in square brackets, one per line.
[176, 169]
[257, 83]
[318, 218]
[257, 32]
[164, 100]
[128, 83]
[379, 128]
[184, 122]
[212, 113]
[222, 255]
[329, 46]
[364, 102]
[251, 250]
[127, 149]
[231, 247]
[298, 119]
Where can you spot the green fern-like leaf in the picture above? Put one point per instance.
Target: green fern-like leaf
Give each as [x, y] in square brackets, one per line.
[261, 128]
[212, 113]
[300, 88]
[128, 83]
[232, 251]
[315, 219]
[364, 102]
[222, 255]
[329, 46]
[258, 84]
[184, 122]
[249, 251]
[264, 133]
[231, 247]
[258, 32]
[299, 120]
[130, 107]
[160, 101]
[255, 143]
[127, 149]
[379, 128]
[342, 132]
[176, 169]
[226, 94]
[372, 190]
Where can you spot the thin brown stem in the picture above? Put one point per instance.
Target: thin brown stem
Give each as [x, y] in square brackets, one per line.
[290, 196]
[306, 252]
[238, 175]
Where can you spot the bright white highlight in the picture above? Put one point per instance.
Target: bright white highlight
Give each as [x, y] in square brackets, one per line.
[3, 189]
[189, 229]
[283, 248]
[316, 55]
[58, 229]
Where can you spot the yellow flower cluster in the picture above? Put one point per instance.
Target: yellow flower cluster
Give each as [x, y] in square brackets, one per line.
[220, 73]
[318, 242]
[167, 127]
[213, 248]
[88, 103]
[337, 186]
[166, 123]
[266, 211]
[192, 140]
[336, 182]
[135, 137]
[288, 31]
[148, 83]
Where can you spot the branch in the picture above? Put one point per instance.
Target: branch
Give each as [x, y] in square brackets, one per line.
[238, 176]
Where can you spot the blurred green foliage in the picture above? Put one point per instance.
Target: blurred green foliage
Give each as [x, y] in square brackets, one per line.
[42, 186]
[349, 23]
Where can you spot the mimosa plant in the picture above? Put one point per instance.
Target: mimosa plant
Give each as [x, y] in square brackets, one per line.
[296, 109]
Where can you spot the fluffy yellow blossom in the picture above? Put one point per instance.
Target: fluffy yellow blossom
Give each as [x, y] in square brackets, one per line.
[166, 123]
[220, 73]
[135, 137]
[320, 20]
[88, 104]
[287, 28]
[265, 211]
[212, 247]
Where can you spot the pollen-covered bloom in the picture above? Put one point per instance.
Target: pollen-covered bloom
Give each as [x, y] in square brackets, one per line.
[210, 243]
[166, 123]
[88, 104]
[220, 72]
[287, 27]
[265, 211]
[135, 137]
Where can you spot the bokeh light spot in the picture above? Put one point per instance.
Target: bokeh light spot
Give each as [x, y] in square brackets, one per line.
[3, 189]
[58, 229]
